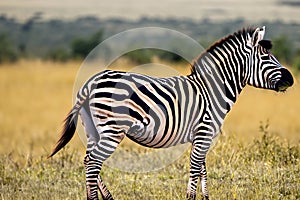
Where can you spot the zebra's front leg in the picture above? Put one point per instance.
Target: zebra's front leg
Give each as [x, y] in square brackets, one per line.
[197, 170]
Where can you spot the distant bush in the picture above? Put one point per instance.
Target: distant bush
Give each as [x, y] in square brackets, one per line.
[7, 51]
[81, 47]
[283, 49]
[143, 56]
[59, 54]
[140, 56]
[296, 61]
[169, 56]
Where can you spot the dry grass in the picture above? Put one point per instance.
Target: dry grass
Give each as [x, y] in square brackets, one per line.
[255, 106]
[35, 99]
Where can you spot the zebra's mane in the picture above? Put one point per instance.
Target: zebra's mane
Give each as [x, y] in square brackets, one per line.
[242, 33]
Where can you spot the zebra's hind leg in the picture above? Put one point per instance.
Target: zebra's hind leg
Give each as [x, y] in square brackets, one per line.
[93, 163]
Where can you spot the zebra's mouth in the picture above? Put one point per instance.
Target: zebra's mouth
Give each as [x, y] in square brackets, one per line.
[282, 86]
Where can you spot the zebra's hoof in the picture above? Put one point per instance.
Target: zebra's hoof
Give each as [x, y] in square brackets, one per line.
[191, 196]
[108, 197]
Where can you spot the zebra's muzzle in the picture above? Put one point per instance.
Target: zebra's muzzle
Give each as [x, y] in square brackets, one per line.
[285, 81]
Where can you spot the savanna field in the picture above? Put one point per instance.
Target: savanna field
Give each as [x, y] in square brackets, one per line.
[257, 156]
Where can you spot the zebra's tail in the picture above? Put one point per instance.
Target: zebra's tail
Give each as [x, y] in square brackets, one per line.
[70, 122]
[67, 132]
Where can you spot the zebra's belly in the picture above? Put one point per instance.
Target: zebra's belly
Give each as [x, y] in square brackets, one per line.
[157, 135]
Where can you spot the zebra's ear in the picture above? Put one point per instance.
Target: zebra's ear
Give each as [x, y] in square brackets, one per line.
[257, 36]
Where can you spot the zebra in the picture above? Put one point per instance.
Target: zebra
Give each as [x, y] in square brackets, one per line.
[163, 112]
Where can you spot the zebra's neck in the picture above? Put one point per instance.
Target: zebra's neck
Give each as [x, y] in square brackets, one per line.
[221, 69]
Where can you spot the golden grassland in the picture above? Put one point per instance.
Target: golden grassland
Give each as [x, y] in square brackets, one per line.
[246, 163]
[36, 96]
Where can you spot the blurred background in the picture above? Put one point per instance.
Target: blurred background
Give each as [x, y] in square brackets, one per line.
[43, 44]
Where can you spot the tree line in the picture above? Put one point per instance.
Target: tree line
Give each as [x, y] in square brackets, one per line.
[67, 40]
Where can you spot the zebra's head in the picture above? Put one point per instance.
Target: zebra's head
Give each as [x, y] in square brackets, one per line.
[264, 70]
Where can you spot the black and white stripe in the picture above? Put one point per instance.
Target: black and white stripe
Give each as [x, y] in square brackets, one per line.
[163, 112]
